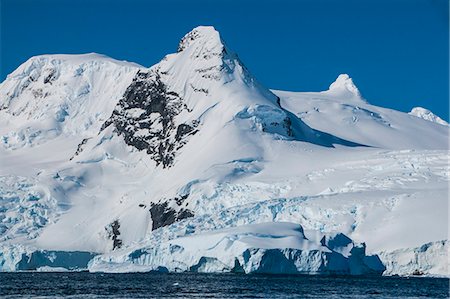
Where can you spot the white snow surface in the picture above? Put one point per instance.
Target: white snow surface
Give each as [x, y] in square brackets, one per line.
[427, 115]
[53, 95]
[327, 162]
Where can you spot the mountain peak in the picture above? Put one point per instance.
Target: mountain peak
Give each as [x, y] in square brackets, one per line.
[203, 61]
[427, 115]
[344, 84]
[203, 36]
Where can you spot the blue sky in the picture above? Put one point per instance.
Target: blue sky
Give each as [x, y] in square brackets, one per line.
[396, 51]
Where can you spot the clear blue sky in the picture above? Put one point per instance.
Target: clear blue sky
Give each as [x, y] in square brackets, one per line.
[395, 50]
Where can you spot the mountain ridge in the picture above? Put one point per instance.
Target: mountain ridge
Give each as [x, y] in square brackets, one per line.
[114, 158]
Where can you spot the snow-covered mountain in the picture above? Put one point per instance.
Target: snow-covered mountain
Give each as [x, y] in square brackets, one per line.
[193, 165]
[427, 115]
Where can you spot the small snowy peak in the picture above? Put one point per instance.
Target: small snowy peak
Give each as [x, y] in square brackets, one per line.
[344, 87]
[50, 95]
[205, 37]
[203, 62]
[39, 73]
[427, 115]
[37, 62]
[202, 50]
[344, 82]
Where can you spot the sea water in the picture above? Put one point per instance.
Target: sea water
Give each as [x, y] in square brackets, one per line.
[194, 285]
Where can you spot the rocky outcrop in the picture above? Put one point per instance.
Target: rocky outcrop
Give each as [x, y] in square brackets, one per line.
[145, 118]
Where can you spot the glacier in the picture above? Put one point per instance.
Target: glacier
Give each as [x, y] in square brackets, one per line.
[23, 258]
[193, 165]
[273, 247]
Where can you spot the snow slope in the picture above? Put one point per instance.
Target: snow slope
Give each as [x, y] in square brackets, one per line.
[51, 95]
[126, 162]
[343, 112]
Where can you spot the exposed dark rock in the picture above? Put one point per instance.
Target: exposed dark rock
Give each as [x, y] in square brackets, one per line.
[184, 130]
[113, 233]
[287, 124]
[191, 36]
[203, 90]
[145, 118]
[37, 93]
[181, 199]
[183, 214]
[79, 148]
[50, 77]
[163, 215]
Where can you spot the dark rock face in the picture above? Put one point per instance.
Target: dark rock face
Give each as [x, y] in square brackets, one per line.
[52, 76]
[80, 148]
[113, 233]
[187, 39]
[145, 117]
[181, 199]
[287, 124]
[184, 130]
[163, 215]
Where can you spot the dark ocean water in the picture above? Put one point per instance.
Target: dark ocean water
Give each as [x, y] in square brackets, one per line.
[190, 285]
